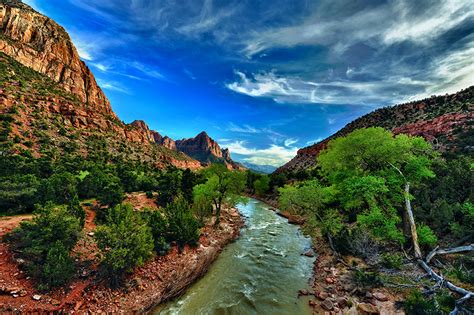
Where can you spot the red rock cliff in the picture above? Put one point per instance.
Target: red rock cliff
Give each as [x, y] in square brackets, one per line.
[41, 44]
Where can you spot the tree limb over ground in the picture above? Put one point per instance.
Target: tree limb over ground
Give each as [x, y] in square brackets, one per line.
[466, 294]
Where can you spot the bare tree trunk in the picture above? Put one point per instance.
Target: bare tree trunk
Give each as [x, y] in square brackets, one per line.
[411, 219]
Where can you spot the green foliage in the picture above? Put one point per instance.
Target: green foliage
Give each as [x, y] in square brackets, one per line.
[426, 236]
[392, 260]
[169, 186]
[381, 225]
[367, 279]
[221, 186]
[159, 229]
[18, 193]
[183, 228]
[45, 244]
[60, 188]
[262, 185]
[417, 304]
[125, 241]
[58, 268]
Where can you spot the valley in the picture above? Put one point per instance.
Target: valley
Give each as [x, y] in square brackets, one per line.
[190, 212]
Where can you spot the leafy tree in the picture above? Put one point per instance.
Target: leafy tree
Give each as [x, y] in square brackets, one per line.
[18, 193]
[221, 186]
[169, 186]
[45, 244]
[60, 188]
[188, 181]
[262, 185]
[159, 229]
[125, 241]
[390, 165]
[111, 194]
[183, 228]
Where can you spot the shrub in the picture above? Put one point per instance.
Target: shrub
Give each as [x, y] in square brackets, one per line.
[367, 279]
[125, 241]
[183, 227]
[58, 267]
[393, 261]
[426, 236]
[159, 229]
[262, 185]
[417, 304]
[49, 264]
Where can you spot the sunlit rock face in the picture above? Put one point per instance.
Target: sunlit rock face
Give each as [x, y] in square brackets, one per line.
[41, 44]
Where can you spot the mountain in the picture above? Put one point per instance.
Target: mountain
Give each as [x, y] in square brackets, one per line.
[54, 103]
[446, 121]
[264, 169]
[203, 148]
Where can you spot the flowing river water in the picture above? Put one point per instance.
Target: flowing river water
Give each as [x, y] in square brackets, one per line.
[260, 273]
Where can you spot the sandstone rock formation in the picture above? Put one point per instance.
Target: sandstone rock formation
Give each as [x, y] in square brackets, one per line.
[44, 82]
[41, 44]
[203, 148]
[446, 121]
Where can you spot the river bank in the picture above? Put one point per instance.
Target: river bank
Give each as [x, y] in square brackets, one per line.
[160, 279]
[260, 273]
[334, 289]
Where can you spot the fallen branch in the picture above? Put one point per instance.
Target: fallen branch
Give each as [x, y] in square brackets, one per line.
[454, 250]
[443, 282]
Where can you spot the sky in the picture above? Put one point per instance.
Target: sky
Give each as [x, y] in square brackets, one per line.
[266, 77]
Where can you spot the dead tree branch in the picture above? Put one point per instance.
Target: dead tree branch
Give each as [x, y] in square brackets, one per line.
[446, 251]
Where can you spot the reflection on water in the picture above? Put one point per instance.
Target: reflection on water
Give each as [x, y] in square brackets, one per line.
[260, 273]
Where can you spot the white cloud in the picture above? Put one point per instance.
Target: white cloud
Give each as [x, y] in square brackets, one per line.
[273, 155]
[290, 141]
[113, 86]
[295, 90]
[242, 129]
[434, 22]
[311, 142]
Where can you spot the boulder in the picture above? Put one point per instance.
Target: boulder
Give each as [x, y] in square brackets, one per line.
[380, 296]
[366, 309]
[327, 305]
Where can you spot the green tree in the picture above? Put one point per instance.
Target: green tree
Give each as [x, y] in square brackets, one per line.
[183, 228]
[169, 186]
[262, 185]
[60, 188]
[221, 186]
[125, 241]
[45, 244]
[386, 166]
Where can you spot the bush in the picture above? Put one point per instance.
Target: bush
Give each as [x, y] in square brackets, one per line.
[392, 261]
[58, 268]
[159, 229]
[426, 236]
[262, 185]
[367, 279]
[49, 264]
[417, 304]
[183, 227]
[125, 241]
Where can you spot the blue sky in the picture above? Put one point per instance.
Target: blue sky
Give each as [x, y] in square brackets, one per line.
[265, 78]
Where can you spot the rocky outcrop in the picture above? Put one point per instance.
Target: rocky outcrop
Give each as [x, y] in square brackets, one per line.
[203, 148]
[41, 44]
[446, 121]
[45, 83]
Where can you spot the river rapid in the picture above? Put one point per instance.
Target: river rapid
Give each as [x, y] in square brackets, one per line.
[260, 273]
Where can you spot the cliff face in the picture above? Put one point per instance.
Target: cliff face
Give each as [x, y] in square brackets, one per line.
[201, 145]
[54, 100]
[40, 43]
[203, 148]
[446, 121]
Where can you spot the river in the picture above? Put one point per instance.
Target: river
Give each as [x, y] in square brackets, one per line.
[260, 273]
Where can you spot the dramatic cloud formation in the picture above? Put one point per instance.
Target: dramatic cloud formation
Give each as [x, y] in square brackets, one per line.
[268, 76]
